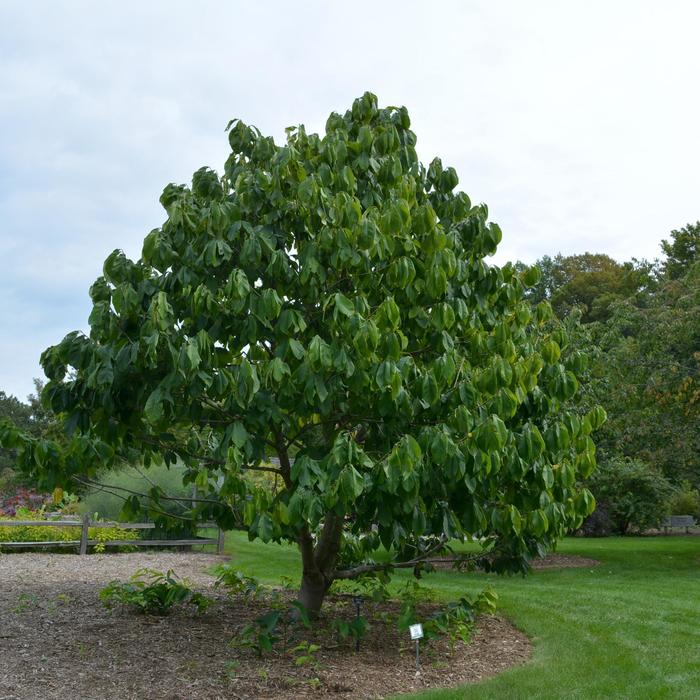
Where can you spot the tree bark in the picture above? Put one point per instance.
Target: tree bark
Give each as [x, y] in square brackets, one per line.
[312, 592]
[317, 558]
[317, 562]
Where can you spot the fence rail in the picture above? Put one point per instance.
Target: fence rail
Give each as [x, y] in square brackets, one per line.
[85, 523]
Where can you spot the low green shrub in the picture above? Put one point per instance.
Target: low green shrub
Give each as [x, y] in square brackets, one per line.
[236, 582]
[152, 593]
[354, 629]
[262, 634]
[48, 533]
[633, 496]
[455, 620]
[685, 501]
[305, 653]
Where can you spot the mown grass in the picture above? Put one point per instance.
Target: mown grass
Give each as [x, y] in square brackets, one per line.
[627, 628]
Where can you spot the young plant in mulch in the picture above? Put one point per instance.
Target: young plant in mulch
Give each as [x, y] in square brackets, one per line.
[152, 593]
[455, 621]
[278, 639]
[279, 624]
[236, 582]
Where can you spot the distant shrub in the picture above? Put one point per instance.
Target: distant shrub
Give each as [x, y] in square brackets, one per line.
[8, 480]
[599, 523]
[685, 501]
[108, 505]
[22, 497]
[633, 496]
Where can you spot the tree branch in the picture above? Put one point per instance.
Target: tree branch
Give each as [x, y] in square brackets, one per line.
[106, 489]
[261, 468]
[328, 543]
[286, 467]
[306, 547]
[371, 568]
[185, 499]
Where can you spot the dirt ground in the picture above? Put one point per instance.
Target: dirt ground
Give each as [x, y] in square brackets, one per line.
[563, 561]
[551, 561]
[57, 641]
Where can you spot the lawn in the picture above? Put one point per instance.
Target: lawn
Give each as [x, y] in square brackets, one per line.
[627, 628]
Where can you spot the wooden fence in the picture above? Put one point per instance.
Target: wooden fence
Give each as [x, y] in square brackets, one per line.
[85, 523]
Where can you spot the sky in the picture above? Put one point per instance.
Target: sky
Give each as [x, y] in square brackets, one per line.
[576, 122]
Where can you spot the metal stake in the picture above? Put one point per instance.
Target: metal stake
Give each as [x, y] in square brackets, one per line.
[358, 602]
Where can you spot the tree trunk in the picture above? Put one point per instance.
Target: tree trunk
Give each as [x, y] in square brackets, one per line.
[312, 592]
[318, 561]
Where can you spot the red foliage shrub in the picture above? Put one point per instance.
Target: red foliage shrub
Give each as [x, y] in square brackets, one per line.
[22, 498]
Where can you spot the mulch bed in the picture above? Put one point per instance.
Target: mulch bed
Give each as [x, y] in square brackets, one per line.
[551, 561]
[563, 561]
[57, 641]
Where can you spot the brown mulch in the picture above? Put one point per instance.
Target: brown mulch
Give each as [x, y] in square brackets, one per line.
[563, 561]
[57, 641]
[551, 561]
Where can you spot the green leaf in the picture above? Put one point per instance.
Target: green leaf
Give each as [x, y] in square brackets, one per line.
[239, 435]
[297, 348]
[279, 369]
[491, 435]
[550, 352]
[597, 417]
[531, 443]
[153, 409]
[547, 476]
[351, 483]
[321, 389]
[265, 527]
[430, 392]
[538, 522]
[192, 353]
[532, 276]
[319, 353]
[344, 305]
[307, 191]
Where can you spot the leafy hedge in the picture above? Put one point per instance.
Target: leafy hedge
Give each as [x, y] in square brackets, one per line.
[48, 533]
[631, 497]
[685, 501]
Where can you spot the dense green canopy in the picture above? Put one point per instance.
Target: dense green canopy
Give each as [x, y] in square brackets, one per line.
[327, 303]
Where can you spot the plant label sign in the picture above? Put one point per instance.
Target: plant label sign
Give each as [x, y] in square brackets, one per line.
[416, 631]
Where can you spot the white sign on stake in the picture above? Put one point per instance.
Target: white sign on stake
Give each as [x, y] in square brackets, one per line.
[416, 631]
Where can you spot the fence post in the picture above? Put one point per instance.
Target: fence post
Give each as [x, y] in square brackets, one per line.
[220, 542]
[84, 534]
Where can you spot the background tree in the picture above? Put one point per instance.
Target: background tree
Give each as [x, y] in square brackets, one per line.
[630, 496]
[12, 409]
[649, 381]
[326, 303]
[30, 417]
[682, 251]
[592, 282]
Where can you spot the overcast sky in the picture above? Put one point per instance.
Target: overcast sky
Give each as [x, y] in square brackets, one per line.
[576, 122]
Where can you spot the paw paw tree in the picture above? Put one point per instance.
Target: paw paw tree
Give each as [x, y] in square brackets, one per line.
[322, 314]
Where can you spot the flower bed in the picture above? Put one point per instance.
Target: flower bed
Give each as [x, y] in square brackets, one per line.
[25, 498]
